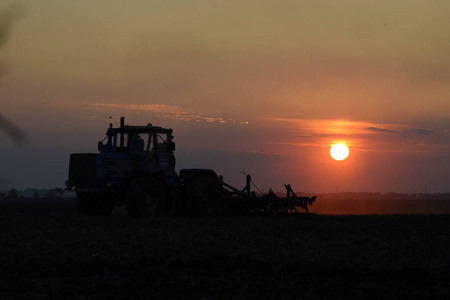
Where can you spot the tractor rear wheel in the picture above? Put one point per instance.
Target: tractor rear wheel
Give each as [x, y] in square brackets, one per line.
[145, 197]
[205, 196]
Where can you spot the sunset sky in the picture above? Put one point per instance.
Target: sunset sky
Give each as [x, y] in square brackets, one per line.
[261, 86]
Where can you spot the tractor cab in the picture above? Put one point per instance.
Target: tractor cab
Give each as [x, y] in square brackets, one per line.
[150, 146]
[141, 140]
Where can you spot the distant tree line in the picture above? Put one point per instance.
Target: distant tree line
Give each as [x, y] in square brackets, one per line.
[33, 193]
[371, 195]
[391, 196]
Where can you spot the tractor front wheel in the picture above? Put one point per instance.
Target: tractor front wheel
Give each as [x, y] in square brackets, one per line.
[145, 197]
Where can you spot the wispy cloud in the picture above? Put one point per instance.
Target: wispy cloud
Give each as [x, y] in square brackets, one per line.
[378, 129]
[321, 126]
[418, 131]
[171, 112]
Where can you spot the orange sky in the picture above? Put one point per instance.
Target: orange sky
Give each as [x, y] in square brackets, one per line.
[260, 86]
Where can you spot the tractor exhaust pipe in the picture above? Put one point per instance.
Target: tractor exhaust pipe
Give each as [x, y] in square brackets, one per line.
[122, 129]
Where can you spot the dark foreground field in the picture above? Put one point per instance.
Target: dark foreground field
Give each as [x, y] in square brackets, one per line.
[48, 251]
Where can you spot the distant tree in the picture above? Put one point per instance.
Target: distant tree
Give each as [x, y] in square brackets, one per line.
[50, 194]
[54, 193]
[2, 195]
[59, 192]
[36, 195]
[13, 194]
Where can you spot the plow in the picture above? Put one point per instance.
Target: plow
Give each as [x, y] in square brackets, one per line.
[246, 201]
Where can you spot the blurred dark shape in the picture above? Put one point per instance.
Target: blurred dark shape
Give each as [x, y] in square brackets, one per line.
[13, 131]
[7, 18]
[4, 184]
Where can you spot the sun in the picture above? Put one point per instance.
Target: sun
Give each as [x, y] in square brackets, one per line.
[339, 152]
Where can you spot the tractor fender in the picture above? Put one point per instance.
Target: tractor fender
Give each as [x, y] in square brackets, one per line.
[187, 175]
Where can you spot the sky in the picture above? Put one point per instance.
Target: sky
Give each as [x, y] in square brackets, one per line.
[265, 87]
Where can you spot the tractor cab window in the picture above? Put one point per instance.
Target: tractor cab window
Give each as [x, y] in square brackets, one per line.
[136, 143]
[161, 142]
[118, 148]
[141, 143]
[147, 141]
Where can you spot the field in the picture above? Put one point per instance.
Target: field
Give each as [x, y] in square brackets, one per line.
[48, 251]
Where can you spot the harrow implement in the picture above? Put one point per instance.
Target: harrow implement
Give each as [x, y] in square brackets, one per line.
[247, 201]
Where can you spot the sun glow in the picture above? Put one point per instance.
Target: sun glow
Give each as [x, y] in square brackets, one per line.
[339, 152]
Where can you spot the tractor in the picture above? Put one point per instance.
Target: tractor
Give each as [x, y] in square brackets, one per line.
[135, 167]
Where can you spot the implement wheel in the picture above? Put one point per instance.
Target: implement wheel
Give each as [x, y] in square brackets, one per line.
[205, 196]
[145, 197]
[271, 209]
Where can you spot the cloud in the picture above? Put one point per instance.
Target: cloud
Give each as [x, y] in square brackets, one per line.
[418, 131]
[378, 129]
[163, 111]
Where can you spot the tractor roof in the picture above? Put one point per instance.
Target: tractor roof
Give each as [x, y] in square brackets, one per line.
[142, 129]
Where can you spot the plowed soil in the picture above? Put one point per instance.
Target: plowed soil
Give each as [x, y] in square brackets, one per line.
[49, 251]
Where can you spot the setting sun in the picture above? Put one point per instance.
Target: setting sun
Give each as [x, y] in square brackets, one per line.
[339, 152]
